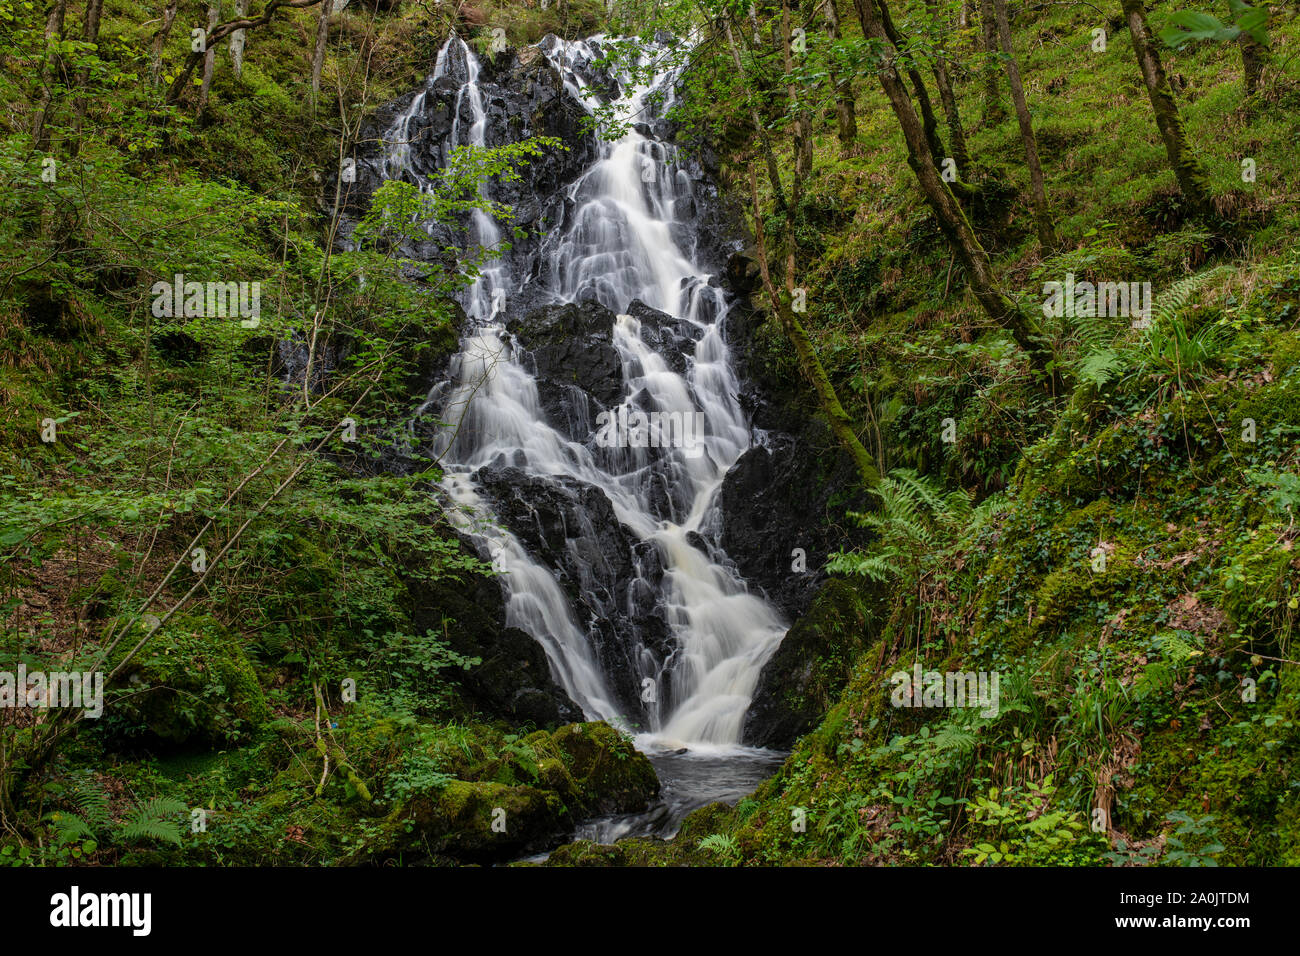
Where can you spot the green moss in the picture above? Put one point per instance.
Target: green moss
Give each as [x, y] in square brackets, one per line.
[191, 681]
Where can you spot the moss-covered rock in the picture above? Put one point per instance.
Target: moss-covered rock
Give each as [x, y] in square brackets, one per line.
[608, 774]
[805, 676]
[468, 822]
[191, 682]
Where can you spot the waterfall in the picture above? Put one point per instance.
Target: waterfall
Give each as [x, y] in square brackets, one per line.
[615, 243]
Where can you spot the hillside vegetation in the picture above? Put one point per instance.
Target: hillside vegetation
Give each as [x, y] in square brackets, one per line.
[299, 649]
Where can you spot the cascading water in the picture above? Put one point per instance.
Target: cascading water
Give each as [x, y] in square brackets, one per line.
[617, 241]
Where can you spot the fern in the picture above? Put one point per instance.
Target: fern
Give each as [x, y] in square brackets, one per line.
[914, 517]
[69, 827]
[92, 804]
[1100, 366]
[1167, 350]
[149, 821]
[1173, 300]
[721, 844]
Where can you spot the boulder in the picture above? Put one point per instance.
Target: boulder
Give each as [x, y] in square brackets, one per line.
[579, 372]
[812, 665]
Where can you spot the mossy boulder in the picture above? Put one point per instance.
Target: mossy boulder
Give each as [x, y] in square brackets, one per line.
[606, 773]
[524, 796]
[805, 676]
[640, 851]
[191, 682]
[468, 822]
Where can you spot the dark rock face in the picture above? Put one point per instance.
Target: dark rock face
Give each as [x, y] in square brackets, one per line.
[523, 97]
[783, 508]
[810, 669]
[579, 372]
[514, 680]
[743, 275]
[673, 338]
[608, 574]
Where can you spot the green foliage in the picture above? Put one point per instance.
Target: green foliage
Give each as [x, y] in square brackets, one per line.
[915, 516]
[1014, 829]
[723, 846]
[153, 820]
[1187, 26]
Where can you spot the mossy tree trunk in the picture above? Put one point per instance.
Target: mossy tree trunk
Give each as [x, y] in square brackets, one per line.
[160, 40]
[209, 58]
[840, 424]
[948, 99]
[1038, 191]
[1252, 63]
[952, 220]
[929, 125]
[994, 110]
[1192, 180]
[846, 117]
[801, 125]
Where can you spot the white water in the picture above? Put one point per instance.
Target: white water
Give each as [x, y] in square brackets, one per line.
[616, 246]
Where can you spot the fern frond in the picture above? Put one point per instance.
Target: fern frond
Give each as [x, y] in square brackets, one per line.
[69, 827]
[1100, 366]
[1174, 299]
[91, 802]
[149, 821]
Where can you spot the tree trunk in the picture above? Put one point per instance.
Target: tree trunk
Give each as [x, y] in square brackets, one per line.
[838, 419]
[209, 56]
[846, 117]
[948, 99]
[181, 82]
[802, 126]
[89, 33]
[1192, 180]
[53, 28]
[160, 40]
[929, 124]
[760, 130]
[1042, 215]
[1252, 64]
[952, 221]
[322, 39]
[994, 110]
[237, 40]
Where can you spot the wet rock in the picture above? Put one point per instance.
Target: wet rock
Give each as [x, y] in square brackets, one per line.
[743, 274]
[672, 338]
[786, 498]
[811, 667]
[609, 575]
[572, 348]
[610, 775]
[514, 679]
